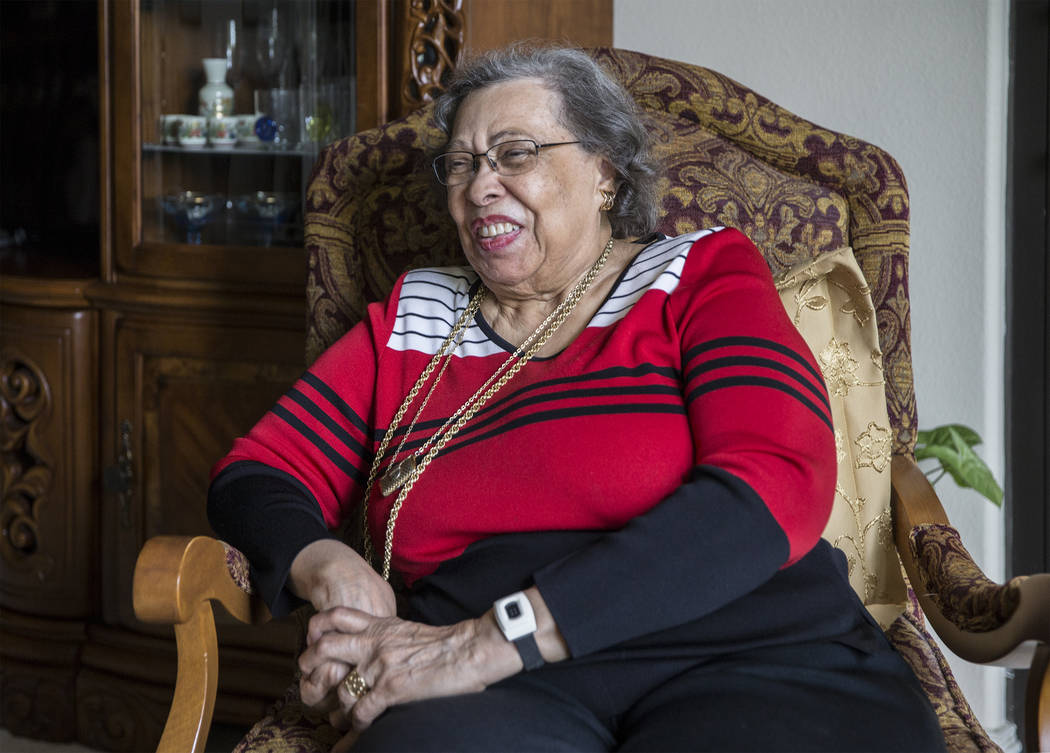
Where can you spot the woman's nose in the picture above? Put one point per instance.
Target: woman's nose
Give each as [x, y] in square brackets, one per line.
[485, 185]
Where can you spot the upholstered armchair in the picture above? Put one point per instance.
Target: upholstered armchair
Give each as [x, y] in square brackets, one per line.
[830, 213]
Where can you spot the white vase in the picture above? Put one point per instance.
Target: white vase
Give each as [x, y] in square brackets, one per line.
[216, 96]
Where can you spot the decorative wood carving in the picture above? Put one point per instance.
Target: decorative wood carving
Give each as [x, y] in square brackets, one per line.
[38, 666]
[38, 703]
[435, 30]
[119, 714]
[26, 471]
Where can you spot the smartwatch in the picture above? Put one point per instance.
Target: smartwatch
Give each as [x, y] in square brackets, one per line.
[517, 621]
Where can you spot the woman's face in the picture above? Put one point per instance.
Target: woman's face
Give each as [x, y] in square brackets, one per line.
[535, 233]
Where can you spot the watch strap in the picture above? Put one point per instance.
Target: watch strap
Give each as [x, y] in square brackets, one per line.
[529, 652]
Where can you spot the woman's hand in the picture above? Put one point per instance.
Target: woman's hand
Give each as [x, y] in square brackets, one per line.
[329, 574]
[400, 661]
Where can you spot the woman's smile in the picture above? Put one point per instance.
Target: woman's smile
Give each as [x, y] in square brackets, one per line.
[495, 232]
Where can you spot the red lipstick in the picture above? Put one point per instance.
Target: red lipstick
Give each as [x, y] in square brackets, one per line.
[497, 242]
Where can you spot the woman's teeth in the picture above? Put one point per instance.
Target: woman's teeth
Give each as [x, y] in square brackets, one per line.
[497, 228]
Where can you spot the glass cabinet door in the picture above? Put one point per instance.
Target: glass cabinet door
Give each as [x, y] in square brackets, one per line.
[236, 99]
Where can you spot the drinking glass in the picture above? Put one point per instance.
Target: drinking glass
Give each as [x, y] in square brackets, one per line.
[191, 211]
[273, 44]
[279, 122]
[266, 212]
[231, 48]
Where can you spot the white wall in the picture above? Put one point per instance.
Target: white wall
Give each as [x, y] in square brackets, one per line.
[925, 80]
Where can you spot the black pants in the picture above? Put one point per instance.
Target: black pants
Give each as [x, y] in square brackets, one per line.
[692, 688]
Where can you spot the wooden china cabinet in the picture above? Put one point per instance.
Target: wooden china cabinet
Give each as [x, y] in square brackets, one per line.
[121, 387]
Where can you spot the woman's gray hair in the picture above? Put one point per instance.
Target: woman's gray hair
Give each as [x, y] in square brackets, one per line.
[594, 108]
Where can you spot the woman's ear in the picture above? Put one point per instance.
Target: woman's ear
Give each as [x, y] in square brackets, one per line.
[607, 176]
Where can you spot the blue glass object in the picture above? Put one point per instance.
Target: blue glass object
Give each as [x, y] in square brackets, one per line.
[267, 211]
[266, 128]
[191, 211]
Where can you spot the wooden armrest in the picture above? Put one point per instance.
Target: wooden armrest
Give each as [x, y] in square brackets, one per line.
[1023, 609]
[175, 574]
[1015, 628]
[176, 578]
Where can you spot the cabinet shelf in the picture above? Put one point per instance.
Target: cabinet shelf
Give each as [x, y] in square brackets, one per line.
[211, 150]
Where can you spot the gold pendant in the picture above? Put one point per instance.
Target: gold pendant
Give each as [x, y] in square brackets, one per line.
[397, 474]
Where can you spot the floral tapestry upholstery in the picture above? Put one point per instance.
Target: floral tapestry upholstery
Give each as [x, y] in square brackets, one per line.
[963, 733]
[290, 727]
[239, 569]
[964, 594]
[830, 303]
[730, 157]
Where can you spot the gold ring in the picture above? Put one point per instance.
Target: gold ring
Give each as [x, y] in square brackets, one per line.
[355, 684]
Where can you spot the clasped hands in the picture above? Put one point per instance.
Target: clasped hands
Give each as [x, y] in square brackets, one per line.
[356, 628]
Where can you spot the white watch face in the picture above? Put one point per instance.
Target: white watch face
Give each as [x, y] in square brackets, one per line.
[514, 616]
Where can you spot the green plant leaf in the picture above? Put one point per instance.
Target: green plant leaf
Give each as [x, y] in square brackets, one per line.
[952, 446]
[944, 435]
[947, 457]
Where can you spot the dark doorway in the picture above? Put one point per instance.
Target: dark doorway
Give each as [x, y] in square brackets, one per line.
[49, 137]
[1027, 312]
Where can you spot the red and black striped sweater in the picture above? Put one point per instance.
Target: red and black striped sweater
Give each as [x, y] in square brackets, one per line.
[688, 425]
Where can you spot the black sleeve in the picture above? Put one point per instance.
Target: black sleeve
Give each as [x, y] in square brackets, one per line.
[712, 541]
[270, 517]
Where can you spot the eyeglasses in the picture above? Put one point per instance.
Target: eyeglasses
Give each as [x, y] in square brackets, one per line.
[509, 158]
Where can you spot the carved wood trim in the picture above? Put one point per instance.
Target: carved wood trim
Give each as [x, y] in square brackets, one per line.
[26, 470]
[435, 30]
[117, 713]
[39, 659]
[38, 702]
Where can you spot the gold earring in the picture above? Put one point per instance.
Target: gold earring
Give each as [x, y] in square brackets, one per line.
[607, 203]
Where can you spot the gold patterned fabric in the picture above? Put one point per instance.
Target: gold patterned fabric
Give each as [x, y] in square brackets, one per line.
[962, 592]
[730, 157]
[290, 727]
[846, 177]
[373, 211]
[239, 569]
[963, 733]
[830, 303]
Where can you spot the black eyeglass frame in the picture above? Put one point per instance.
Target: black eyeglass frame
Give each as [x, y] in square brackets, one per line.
[476, 158]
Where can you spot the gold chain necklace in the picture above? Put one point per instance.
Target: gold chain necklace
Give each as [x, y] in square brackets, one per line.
[402, 475]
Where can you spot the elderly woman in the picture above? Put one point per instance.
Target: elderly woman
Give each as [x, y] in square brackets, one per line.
[600, 461]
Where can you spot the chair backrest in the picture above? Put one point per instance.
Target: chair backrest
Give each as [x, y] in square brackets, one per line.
[730, 157]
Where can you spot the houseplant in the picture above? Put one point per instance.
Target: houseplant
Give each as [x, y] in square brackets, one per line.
[951, 448]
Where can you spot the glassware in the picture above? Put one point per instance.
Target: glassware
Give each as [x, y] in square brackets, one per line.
[232, 50]
[266, 212]
[279, 120]
[327, 112]
[298, 55]
[272, 44]
[190, 211]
